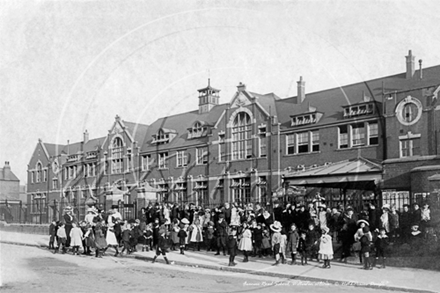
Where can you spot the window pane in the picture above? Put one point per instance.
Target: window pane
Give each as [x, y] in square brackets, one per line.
[290, 144]
[303, 142]
[358, 134]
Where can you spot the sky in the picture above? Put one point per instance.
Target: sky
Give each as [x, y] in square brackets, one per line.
[69, 66]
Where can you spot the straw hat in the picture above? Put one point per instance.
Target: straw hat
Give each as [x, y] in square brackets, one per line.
[276, 226]
[362, 221]
[184, 221]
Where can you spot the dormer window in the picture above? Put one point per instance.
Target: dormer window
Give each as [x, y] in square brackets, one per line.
[358, 110]
[163, 136]
[305, 119]
[198, 130]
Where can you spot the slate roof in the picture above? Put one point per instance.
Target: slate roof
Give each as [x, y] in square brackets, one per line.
[330, 101]
[77, 147]
[137, 130]
[53, 149]
[180, 124]
[11, 176]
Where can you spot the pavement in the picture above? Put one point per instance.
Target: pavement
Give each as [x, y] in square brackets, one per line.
[348, 274]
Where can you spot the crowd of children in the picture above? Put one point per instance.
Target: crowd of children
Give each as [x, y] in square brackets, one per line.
[229, 229]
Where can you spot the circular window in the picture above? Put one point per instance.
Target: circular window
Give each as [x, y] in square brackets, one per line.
[409, 111]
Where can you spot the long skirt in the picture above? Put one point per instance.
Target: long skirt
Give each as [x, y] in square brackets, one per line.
[111, 238]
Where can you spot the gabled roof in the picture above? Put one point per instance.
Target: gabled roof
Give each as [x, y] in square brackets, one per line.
[53, 149]
[330, 101]
[180, 123]
[79, 147]
[137, 130]
[9, 176]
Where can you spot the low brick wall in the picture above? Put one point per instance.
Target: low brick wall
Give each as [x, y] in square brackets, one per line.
[26, 228]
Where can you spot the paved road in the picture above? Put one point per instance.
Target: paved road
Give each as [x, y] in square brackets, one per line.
[30, 269]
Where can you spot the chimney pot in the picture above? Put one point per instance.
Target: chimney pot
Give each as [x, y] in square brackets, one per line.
[86, 136]
[420, 69]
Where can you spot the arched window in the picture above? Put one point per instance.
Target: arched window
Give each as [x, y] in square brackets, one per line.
[117, 154]
[197, 129]
[39, 172]
[241, 137]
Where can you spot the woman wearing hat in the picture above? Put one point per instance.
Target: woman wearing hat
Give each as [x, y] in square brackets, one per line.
[276, 240]
[110, 236]
[245, 244]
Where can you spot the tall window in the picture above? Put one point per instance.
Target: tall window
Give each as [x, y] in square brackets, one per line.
[39, 172]
[180, 193]
[146, 159]
[315, 141]
[373, 133]
[117, 153]
[45, 175]
[32, 176]
[241, 137]
[358, 134]
[221, 148]
[163, 160]
[262, 142]
[409, 147]
[55, 183]
[129, 167]
[303, 142]
[241, 190]
[181, 158]
[290, 141]
[202, 155]
[262, 186]
[343, 137]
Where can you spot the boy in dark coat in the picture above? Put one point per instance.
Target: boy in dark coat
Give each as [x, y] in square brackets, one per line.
[53, 234]
[381, 245]
[365, 247]
[302, 248]
[257, 239]
[127, 235]
[209, 236]
[163, 244]
[312, 242]
[232, 246]
[148, 236]
[182, 238]
[221, 234]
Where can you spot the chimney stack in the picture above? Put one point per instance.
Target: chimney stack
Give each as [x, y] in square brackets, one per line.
[301, 95]
[241, 87]
[420, 69]
[410, 67]
[7, 171]
[86, 136]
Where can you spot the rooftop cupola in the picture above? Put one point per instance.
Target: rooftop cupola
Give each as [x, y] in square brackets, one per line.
[208, 98]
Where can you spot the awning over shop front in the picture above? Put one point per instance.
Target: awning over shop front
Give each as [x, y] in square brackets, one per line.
[355, 174]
